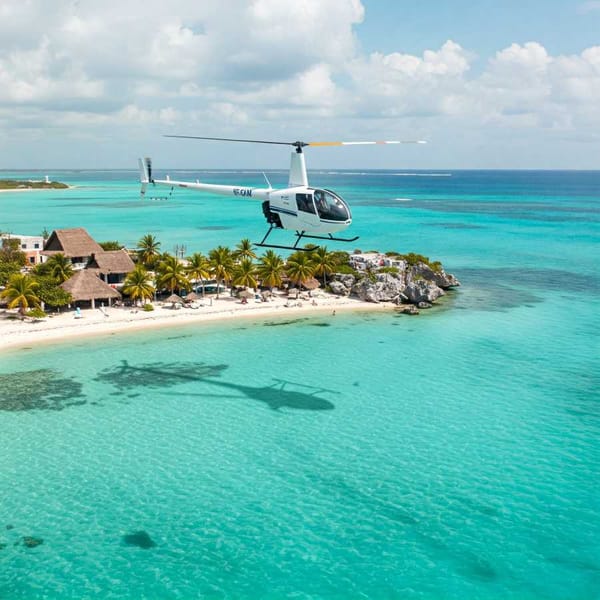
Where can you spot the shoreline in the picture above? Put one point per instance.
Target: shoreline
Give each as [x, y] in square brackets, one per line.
[40, 189]
[63, 327]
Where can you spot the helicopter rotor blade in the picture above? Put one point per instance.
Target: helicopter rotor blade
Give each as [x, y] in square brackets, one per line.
[197, 137]
[366, 143]
[297, 144]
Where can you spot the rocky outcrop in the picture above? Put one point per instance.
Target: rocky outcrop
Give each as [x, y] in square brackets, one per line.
[386, 287]
[338, 288]
[439, 276]
[421, 290]
[418, 285]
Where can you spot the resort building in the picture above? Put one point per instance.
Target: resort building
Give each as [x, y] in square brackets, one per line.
[362, 261]
[86, 286]
[112, 266]
[31, 245]
[76, 244]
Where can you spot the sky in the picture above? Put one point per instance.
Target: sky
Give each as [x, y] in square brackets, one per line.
[492, 84]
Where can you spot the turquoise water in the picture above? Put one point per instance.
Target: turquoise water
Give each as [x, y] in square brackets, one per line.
[451, 455]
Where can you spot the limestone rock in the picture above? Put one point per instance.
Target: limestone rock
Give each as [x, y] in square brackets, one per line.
[347, 279]
[386, 288]
[421, 290]
[409, 309]
[440, 277]
[338, 288]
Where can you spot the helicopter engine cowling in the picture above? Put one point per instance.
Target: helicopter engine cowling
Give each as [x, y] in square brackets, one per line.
[273, 218]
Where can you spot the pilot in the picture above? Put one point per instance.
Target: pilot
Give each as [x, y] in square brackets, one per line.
[320, 201]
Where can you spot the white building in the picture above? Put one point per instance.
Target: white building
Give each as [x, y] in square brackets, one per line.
[31, 245]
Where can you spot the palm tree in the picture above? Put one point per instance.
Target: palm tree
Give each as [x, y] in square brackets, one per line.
[221, 262]
[60, 267]
[270, 269]
[172, 274]
[300, 267]
[138, 284]
[20, 291]
[198, 267]
[244, 250]
[324, 262]
[245, 273]
[147, 249]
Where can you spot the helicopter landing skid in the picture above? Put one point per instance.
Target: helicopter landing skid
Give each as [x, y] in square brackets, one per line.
[300, 235]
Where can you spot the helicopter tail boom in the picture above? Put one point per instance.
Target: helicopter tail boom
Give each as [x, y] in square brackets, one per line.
[146, 178]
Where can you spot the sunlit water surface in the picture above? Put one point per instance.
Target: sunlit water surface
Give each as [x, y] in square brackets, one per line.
[451, 455]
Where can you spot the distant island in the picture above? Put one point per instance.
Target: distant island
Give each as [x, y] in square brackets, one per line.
[16, 184]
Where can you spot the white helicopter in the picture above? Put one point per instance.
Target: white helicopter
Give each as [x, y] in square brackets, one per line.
[313, 213]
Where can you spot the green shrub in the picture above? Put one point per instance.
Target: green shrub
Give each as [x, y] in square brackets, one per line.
[110, 245]
[346, 270]
[36, 313]
[393, 270]
[414, 259]
[148, 307]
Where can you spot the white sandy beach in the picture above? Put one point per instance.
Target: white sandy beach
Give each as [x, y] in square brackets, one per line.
[109, 320]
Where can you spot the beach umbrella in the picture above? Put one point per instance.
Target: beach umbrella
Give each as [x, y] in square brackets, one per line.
[192, 296]
[174, 299]
[246, 294]
[311, 284]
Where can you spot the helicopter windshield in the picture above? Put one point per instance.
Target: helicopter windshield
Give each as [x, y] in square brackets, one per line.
[330, 207]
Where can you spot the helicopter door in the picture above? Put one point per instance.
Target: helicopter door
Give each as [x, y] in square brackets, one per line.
[306, 209]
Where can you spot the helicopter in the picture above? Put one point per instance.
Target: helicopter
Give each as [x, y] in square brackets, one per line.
[315, 213]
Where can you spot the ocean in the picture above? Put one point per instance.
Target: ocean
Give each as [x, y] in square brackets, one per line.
[451, 455]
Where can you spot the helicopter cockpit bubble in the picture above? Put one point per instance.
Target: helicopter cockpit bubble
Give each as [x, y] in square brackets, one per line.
[330, 206]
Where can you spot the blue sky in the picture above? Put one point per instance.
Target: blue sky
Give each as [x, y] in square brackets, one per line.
[484, 26]
[489, 84]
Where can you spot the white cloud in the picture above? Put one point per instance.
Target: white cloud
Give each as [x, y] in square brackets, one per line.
[283, 65]
[590, 6]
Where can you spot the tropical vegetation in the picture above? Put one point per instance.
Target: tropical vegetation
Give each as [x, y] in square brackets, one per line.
[171, 274]
[148, 250]
[222, 264]
[21, 293]
[198, 268]
[138, 285]
[59, 267]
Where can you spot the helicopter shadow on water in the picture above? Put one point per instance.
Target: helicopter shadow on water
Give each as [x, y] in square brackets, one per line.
[128, 379]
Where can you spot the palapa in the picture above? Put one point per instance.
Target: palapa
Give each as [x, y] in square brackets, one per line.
[111, 261]
[174, 299]
[73, 243]
[86, 285]
[192, 296]
[311, 284]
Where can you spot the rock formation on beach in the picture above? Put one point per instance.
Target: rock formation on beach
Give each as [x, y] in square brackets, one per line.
[417, 285]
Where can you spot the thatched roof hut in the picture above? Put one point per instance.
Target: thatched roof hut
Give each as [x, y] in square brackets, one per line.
[109, 262]
[311, 284]
[76, 244]
[192, 297]
[86, 285]
[174, 299]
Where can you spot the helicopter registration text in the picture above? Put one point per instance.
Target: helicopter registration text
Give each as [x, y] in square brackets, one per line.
[242, 191]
